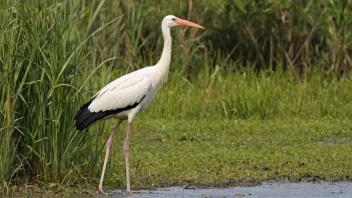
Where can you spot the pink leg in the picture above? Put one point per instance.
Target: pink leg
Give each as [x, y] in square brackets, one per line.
[108, 145]
[126, 150]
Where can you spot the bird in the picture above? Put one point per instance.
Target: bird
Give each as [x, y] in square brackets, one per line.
[129, 95]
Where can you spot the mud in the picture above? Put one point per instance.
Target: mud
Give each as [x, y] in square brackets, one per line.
[266, 190]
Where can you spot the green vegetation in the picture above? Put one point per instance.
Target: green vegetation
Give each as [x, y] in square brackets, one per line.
[41, 56]
[264, 94]
[233, 152]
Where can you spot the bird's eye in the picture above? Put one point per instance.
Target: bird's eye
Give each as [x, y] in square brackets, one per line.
[173, 19]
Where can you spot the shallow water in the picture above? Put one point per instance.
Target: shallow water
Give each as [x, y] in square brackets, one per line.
[322, 189]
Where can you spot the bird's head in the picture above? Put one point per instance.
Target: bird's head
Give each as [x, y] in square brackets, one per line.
[172, 21]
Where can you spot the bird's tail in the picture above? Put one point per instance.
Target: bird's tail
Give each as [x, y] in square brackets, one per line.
[84, 118]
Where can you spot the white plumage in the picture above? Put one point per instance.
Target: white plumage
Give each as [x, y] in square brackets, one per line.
[128, 95]
[127, 90]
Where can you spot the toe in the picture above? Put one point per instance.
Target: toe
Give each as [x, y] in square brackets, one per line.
[99, 191]
[129, 193]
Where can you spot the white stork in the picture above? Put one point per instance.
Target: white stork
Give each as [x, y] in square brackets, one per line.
[128, 95]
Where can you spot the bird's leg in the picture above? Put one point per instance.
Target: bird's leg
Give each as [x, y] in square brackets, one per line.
[108, 145]
[126, 150]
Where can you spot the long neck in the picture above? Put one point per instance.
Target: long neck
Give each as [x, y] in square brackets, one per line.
[164, 63]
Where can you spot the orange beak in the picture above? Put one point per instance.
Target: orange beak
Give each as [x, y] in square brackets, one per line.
[182, 22]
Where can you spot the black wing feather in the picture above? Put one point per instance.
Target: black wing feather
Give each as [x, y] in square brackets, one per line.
[85, 118]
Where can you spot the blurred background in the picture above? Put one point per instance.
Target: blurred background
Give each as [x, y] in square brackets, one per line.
[255, 60]
[299, 36]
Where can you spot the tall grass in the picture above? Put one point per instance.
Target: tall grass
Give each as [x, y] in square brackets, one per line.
[256, 60]
[41, 50]
[10, 89]
[300, 36]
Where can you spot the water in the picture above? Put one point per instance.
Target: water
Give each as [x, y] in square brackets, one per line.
[274, 190]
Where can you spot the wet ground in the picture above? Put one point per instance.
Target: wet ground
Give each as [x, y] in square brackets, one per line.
[266, 190]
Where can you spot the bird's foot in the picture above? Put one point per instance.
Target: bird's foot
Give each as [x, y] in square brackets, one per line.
[100, 191]
[129, 193]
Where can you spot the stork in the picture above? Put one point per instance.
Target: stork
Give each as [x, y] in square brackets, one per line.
[128, 95]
